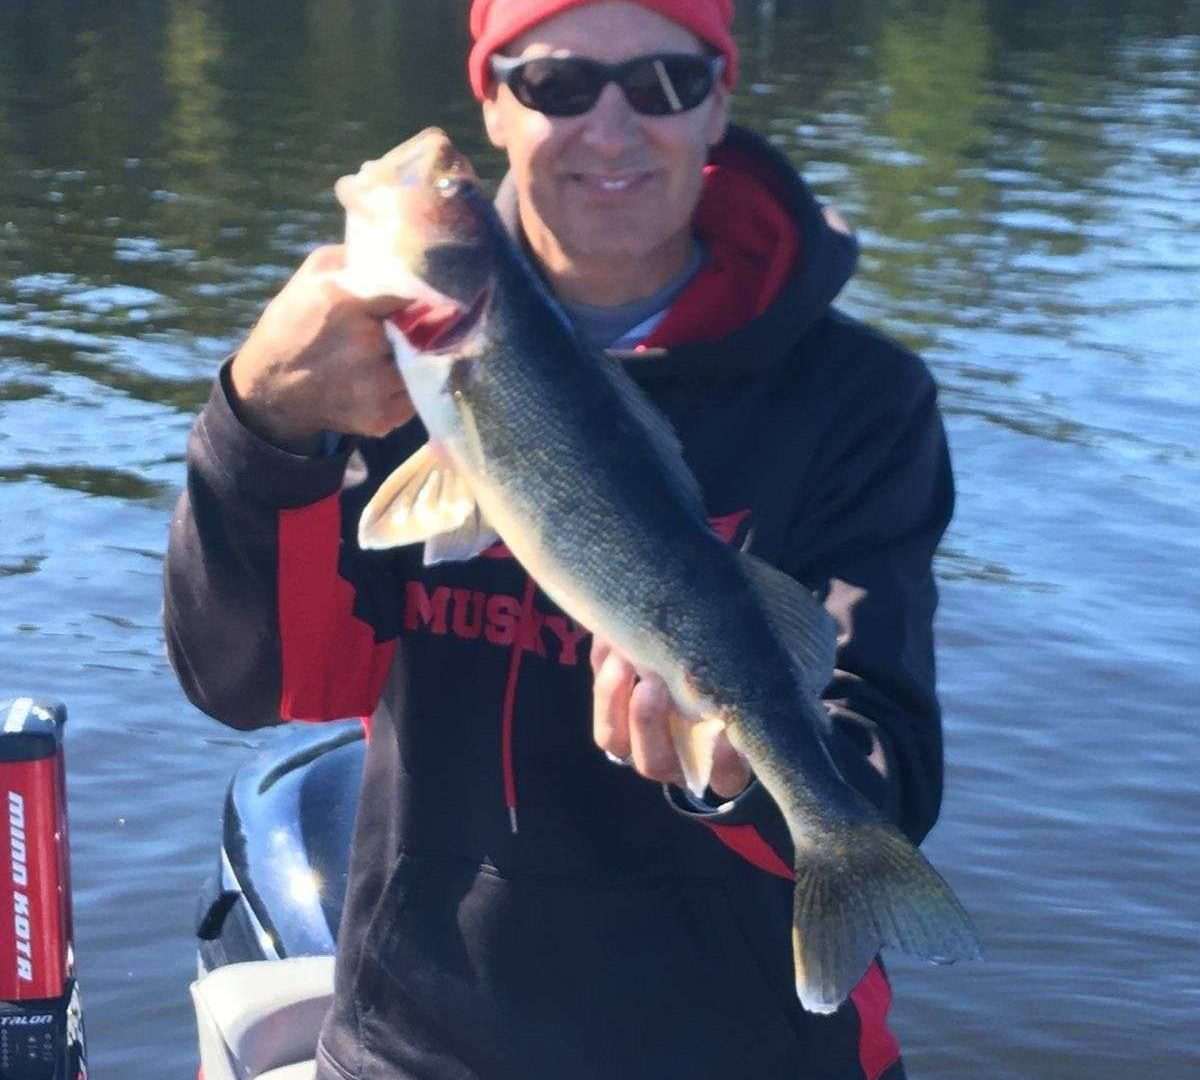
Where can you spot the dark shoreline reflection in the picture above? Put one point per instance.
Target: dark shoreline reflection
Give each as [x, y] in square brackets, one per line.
[109, 483]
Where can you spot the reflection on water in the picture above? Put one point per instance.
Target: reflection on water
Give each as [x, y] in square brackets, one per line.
[27, 564]
[1026, 182]
[16, 390]
[953, 564]
[927, 129]
[197, 145]
[112, 482]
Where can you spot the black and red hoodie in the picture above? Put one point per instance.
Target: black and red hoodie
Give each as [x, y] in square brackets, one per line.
[519, 908]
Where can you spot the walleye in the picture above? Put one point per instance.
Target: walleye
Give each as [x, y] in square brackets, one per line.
[553, 448]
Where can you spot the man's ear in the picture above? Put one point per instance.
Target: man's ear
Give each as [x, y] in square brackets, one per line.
[493, 120]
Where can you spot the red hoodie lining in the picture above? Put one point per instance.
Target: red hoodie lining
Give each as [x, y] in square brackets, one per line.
[753, 246]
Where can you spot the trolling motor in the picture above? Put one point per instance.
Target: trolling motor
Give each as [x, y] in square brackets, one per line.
[41, 1025]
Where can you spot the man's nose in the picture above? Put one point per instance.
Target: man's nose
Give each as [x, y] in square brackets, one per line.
[611, 124]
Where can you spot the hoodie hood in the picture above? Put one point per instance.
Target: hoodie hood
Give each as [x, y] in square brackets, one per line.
[778, 261]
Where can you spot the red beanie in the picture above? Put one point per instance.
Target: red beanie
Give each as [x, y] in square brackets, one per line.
[494, 23]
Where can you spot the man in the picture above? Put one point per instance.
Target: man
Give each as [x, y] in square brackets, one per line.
[521, 905]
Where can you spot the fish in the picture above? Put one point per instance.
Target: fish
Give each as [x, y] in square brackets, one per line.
[537, 440]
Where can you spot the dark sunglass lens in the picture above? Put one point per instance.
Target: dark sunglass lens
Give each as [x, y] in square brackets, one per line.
[691, 76]
[557, 86]
[659, 85]
[643, 86]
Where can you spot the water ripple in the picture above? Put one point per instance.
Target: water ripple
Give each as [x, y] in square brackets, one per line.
[26, 564]
[107, 483]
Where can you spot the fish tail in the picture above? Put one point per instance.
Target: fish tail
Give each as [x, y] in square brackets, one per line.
[872, 888]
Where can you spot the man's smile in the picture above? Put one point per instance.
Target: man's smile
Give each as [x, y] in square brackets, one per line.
[610, 183]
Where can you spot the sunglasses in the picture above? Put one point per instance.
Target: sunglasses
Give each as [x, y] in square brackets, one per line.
[657, 85]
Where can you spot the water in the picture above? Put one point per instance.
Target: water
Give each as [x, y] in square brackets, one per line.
[1026, 181]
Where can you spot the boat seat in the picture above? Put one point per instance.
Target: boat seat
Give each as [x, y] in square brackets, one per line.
[260, 1020]
[304, 1070]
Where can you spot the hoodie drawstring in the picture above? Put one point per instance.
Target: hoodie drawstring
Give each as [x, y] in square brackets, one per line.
[508, 710]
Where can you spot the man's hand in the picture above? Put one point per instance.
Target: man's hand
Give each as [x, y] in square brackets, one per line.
[318, 360]
[631, 721]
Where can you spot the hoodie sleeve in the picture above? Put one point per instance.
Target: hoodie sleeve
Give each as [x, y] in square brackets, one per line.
[259, 624]
[874, 504]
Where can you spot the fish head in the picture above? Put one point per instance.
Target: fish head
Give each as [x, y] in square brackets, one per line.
[417, 228]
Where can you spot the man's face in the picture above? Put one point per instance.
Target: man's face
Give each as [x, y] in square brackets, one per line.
[610, 188]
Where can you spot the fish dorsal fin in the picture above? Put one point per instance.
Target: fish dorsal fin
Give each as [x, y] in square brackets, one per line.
[658, 429]
[425, 499]
[804, 627]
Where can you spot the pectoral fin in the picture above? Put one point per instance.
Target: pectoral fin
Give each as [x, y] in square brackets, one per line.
[695, 740]
[425, 499]
[473, 536]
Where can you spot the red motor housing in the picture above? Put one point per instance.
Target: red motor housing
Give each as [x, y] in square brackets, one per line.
[41, 1030]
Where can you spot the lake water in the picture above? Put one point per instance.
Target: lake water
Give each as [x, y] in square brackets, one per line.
[1026, 182]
